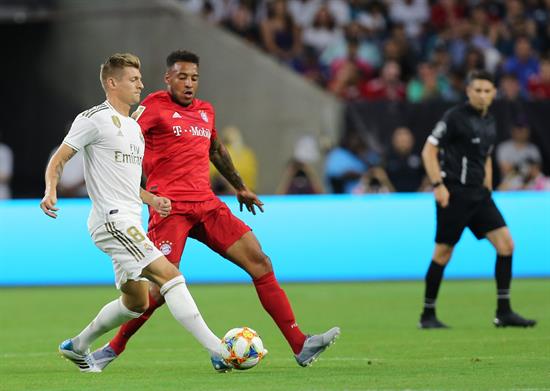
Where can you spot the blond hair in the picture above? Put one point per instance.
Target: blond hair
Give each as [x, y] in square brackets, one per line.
[115, 63]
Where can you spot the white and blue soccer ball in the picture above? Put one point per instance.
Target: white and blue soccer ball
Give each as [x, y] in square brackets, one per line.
[242, 348]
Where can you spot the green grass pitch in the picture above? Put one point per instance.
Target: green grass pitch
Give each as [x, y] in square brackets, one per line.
[380, 346]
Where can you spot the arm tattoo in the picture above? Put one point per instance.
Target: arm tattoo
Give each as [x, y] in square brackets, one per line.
[61, 164]
[222, 161]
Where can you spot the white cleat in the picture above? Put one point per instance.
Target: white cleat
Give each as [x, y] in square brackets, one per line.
[84, 362]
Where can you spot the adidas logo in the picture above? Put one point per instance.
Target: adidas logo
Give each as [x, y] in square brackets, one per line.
[176, 115]
[119, 134]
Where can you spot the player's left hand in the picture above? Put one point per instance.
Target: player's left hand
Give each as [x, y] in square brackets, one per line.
[248, 198]
[162, 206]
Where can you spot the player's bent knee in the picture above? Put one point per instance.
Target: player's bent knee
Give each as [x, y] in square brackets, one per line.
[506, 248]
[442, 254]
[263, 262]
[140, 308]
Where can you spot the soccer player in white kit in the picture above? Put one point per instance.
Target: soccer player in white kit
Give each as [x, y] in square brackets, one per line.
[113, 149]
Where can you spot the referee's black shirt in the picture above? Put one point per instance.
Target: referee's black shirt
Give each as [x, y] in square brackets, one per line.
[465, 139]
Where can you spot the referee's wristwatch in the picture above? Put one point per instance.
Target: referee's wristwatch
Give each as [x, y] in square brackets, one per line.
[437, 184]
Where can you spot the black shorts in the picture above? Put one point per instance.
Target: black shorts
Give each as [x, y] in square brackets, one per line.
[472, 208]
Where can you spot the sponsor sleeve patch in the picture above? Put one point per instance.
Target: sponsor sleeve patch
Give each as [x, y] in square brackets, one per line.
[139, 111]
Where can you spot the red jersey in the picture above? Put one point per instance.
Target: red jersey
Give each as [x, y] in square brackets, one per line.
[177, 145]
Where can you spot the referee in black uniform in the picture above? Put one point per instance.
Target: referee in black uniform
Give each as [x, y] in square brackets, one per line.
[457, 158]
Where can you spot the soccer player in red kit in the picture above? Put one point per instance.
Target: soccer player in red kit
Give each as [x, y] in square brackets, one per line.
[180, 142]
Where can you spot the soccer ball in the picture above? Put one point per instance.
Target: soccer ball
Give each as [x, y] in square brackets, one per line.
[242, 348]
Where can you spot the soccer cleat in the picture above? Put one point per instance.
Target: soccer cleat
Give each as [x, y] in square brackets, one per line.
[431, 322]
[220, 365]
[511, 319]
[103, 356]
[84, 362]
[315, 345]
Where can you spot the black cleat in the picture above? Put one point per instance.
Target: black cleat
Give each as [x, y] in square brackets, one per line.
[431, 322]
[511, 319]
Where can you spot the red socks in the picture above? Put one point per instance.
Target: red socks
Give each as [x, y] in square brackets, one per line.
[125, 332]
[275, 302]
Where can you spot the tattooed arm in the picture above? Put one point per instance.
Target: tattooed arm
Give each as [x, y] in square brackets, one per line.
[53, 174]
[219, 156]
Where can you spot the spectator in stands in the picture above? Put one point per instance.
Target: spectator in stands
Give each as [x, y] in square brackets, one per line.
[459, 37]
[530, 177]
[541, 16]
[373, 19]
[446, 12]
[400, 52]
[534, 178]
[484, 36]
[404, 166]
[346, 164]
[412, 14]
[241, 22]
[374, 181]
[323, 32]
[440, 59]
[427, 86]
[512, 155]
[539, 84]
[388, 86]
[6, 169]
[303, 11]
[353, 45]
[300, 176]
[243, 158]
[348, 75]
[214, 11]
[341, 10]
[456, 89]
[280, 36]
[509, 88]
[523, 64]
[473, 60]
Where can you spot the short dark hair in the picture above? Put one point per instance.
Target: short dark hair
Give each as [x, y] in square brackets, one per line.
[479, 74]
[183, 56]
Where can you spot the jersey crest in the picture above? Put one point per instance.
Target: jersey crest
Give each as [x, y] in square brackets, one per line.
[204, 116]
[116, 121]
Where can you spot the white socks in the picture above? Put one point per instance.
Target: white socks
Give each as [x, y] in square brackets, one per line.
[183, 308]
[112, 315]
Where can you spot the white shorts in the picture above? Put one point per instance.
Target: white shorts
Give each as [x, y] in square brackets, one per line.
[128, 246]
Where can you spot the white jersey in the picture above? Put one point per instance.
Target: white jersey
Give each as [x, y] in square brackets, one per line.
[113, 149]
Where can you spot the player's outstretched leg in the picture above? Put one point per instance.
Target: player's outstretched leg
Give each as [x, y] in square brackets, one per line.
[183, 308]
[104, 356]
[83, 361]
[315, 345]
[77, 349]
[108, 353]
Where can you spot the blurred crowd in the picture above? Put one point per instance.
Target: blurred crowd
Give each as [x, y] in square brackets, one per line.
[411, 50]
[392, 50]
[352, 167]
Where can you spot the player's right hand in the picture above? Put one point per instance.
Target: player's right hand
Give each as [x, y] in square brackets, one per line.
[48, 205]
[442, 195]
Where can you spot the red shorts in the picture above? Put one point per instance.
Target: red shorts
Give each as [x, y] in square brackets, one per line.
[210, 222]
